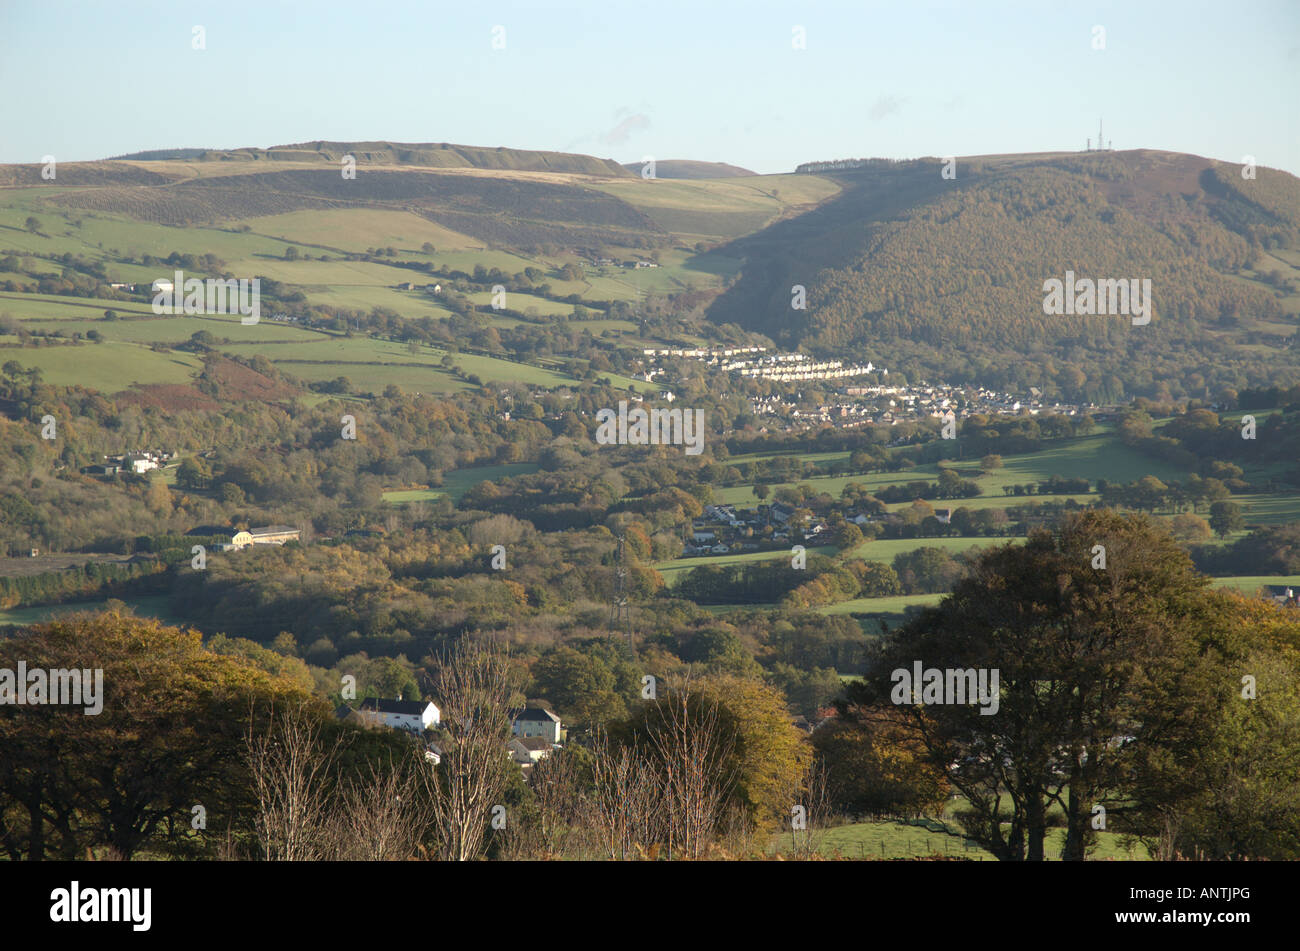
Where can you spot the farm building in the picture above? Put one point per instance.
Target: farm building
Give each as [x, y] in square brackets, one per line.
[266, 535]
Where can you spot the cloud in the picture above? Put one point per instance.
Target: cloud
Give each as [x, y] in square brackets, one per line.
[621, 132]
[885, 106]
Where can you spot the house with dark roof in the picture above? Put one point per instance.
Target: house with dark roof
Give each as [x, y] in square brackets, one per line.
[1283, 594]
[535, 721]
[780, 512]
[415, 716]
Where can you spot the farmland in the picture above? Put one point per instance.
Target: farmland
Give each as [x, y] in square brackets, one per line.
[458, 482]
[298, 225]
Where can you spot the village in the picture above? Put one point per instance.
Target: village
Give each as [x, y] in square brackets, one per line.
[879, 404]
[727, 529]
[856, 403]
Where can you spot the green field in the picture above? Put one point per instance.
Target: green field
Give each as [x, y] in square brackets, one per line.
[372, 364]
[1250, 584]
[457, 483]
[155, 606]
[896, 604]
[884, 549]
[175, 330]
[356, 229]
[525, 303]
[720, 207]
[671, 569]
[108, 367]
[1099, 456]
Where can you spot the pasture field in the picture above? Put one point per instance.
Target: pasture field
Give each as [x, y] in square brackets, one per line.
[1097, 456]
[103, 233]
[152, 606]
[356, 229]
[1249, 584]
[59, 307]
[884, 549]
[523, 302]
[458, 482]
[179, 329]
[721, 207]
[370, 360]
[366, 297]
[374, 377]
[671, 569]
[896, 604]
[110, 367]
[311, 274]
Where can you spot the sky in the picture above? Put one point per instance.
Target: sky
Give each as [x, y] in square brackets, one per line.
[711, 80]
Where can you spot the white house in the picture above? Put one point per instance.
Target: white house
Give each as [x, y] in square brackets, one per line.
[534, 721]
[140, 462]
[413, 715]
[529, 749]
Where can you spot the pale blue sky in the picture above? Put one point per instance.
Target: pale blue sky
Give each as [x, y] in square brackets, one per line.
[715, 80]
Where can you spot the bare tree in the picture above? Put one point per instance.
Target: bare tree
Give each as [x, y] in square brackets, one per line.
[810, 812]
[555, 826]
[288, 764]
[384, 816]
[692, 752]
[474, 685]
[626, 803]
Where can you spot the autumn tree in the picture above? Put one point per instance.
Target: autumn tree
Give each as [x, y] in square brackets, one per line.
[1084, 655]
[474, 684]
[125, 780]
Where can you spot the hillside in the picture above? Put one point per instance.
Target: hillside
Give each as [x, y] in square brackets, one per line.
[686, 168]
[424, 154]
[944, 278]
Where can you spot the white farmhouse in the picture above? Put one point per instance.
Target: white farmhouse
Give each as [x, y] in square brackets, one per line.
[415, 716]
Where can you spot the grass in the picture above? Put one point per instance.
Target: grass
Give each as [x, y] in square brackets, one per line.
[180, 329]
[723, 207]
[1099, 456]
[356, 229]
[372, 364]
[884, 549]
[671, 569]
[896, 604]
[887, 839]
[154, 606]
[108, 367]
[519, 301]
[458, 482]
[1249, 584]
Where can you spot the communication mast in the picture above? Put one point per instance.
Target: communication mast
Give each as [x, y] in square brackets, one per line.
[620, 609]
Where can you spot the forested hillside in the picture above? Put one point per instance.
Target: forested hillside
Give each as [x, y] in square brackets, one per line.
[943, 277]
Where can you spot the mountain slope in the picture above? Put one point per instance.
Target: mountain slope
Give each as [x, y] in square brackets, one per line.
[424, 154]
[688, 168]
[944, 278]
